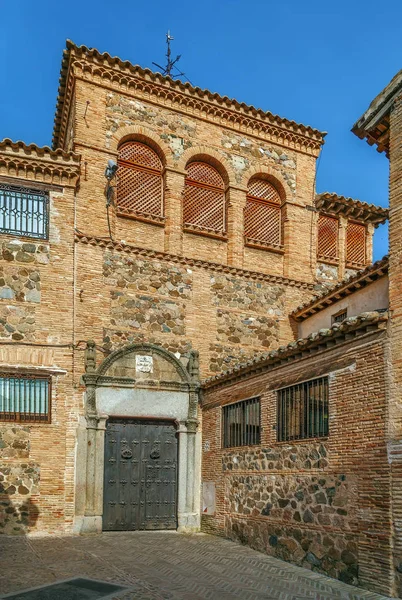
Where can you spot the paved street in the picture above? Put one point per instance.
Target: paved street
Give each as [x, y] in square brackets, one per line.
[156, 565]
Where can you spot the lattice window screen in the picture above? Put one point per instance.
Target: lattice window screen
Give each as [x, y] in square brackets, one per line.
[356, 244]
[204, 199]
[139, 186]
[327, 237]
[262, 215]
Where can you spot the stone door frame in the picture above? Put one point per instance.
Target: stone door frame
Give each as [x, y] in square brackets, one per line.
[92, 427]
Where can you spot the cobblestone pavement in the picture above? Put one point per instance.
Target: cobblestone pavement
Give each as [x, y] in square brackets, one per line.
[164, 565]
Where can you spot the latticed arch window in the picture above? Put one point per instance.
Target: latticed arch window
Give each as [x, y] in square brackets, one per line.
[140, 183]
[262, 215]
[355, 244]
[327, 238]
[204, 206]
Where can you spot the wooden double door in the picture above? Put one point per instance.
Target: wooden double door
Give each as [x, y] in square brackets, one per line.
[140, 482]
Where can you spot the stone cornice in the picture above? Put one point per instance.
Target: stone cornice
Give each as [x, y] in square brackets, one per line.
[357, 210]
[38, 164]
[318, 341]
[344, 288]
[91, 64]
[193, 262]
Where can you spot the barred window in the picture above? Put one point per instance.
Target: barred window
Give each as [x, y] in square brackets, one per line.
[241, 423]
[327, 237]
[355, 244]
[339, 316]
[204, 206]
[24, 398]
[139, 183]
[24, 211]
[303, 410]
[262, 214]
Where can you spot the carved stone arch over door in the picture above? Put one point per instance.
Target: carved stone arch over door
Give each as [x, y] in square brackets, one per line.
[138, 382]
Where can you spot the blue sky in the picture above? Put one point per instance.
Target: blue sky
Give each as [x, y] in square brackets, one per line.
[316, 62]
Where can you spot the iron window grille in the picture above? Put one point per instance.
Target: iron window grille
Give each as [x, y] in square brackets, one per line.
[241, 423]
[25, 398]
[303, 410]
[339, 316]
[24, 211]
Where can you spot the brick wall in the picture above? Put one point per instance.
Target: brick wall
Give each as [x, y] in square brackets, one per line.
[395, 303]
[312, 502]
[36, 336]
[114, 115]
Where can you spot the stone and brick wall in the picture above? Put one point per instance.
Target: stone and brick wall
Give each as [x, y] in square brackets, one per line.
[36, 336]
[118, 114]
[312, 502]
[124, 297]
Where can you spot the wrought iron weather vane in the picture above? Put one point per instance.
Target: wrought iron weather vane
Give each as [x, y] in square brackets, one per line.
[170, 67]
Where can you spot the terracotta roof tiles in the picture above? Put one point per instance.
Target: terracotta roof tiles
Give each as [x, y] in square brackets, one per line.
[262, 362]
[178, 86]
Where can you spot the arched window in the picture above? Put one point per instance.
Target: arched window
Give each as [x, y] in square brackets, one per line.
[139, 183]
[262, 215]
[204, 199]
[327, 237]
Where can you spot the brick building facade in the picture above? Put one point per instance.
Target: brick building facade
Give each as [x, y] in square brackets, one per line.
[120, 295]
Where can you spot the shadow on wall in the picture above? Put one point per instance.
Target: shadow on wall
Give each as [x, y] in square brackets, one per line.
[17, 517]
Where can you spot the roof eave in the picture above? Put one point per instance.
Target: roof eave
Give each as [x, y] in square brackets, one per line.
[377, 114]
[348, 285]
[333, 204]
[287, 125]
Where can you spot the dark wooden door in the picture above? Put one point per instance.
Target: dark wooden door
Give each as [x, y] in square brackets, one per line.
[140, 484]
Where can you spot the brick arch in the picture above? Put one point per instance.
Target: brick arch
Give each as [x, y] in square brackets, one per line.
[138, 133]
[208, 155]
[271, 175]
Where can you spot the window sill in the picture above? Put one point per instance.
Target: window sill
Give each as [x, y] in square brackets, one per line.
[318, 439]
[17, 420]
[24, 237]
[159, 221]
[250, 243]
[328, 261]
[217, 235]
[357, 266]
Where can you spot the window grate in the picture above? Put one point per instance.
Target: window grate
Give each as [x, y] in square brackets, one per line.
[24, 211]
[327, 237]
[204, 199]
[262, 214]
[355, 244]
[339, 317]
[140, 182]
[25, 398]
[303, 410]
[241, 423]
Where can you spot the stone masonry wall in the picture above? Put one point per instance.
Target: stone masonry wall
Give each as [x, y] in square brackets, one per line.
[312, 502]
[36, 307]
[151, 300]
[114, 115]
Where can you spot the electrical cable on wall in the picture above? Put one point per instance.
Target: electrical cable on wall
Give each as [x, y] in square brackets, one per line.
[110, 173]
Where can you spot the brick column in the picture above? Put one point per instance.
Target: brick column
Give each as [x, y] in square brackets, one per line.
[174, 187]
[300, 257]
[395, 264]
[395, 331]
[343, 223]
[369, 243]
[236, 201]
